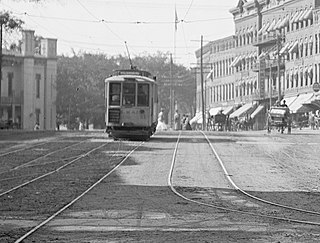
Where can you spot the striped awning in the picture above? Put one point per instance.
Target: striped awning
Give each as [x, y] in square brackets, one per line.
[243, 110]
[308, 14]
[227, 110]
[277, 25]
[294, 47]
[301, 16]
[289, 100]
[284, 22]
[263, 28]
[214, 111]
[285, 48]
[234, 61]
[249, 30]
[271, 27]
[294, 17]
[257, 111]
[209, 74]
[297, 105]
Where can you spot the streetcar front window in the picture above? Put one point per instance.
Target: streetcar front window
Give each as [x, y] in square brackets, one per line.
[143, 94]
[129, 94]
[114, 93]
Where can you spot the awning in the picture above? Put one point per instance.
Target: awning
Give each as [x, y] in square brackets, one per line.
[310, 71]
[297, 16]
[227, 110]
[301, 17]
[294, 47]
[196, 119]
[214, 111]
[297, 105]
[238, 60]
[249, 31]
[308, 14]
[277, 25]
[285, 48]
[209, 74]
[263, 54]
[294, 17]
[234, 61]
[284, 22]
[253, 54]
[289, 100]
[242, 110]
[271, 27]
[257, 111]
[263, 28]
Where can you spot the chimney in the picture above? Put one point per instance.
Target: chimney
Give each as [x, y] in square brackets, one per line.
[49, 47]
[27, 48]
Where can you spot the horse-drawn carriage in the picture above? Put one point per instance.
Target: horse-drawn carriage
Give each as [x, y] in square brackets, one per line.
[218, 122]
[279, 117]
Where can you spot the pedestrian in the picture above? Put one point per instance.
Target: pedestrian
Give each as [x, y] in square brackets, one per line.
[284, 103]
[183, 120]
[187, 123]
[312, 120]
[176, 117]
[36, 126]
[161, 126]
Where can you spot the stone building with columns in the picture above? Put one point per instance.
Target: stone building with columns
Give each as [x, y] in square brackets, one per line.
[275, 55]
[28, 84]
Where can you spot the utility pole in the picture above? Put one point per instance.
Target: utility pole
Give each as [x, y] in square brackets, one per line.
[201, 79]
[270, 83]
[0, 56]
[279, 61]
[171, 84]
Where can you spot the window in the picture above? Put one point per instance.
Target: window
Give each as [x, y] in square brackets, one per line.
[10, 85]
[38, 78]
[143, 94]
[114, 93]
[129, 94]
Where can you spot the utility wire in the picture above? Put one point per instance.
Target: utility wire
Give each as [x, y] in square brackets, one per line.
[84, 7]
[188, 9]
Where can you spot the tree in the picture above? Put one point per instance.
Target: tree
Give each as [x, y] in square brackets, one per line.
[80, 84]
[8, 23]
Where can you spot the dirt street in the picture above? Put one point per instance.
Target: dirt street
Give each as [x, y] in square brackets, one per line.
[136, 204]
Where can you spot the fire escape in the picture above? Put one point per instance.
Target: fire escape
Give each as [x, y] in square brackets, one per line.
[270, 62]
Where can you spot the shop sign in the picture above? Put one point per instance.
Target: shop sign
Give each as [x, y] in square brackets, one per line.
[316, 87]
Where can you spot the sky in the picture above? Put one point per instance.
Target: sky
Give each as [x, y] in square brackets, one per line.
[144, 26]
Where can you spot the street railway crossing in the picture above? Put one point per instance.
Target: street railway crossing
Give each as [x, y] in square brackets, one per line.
[238, 189]
[123, 150]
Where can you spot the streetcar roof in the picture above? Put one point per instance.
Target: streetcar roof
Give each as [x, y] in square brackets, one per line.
[131, 75]
[124, 78]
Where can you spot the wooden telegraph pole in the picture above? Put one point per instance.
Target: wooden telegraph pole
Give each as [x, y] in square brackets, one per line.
[201, 79]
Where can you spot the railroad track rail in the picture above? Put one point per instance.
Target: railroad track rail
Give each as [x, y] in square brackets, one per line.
[240, 192]
[99, 154]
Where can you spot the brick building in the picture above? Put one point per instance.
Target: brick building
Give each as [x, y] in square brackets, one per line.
[28, 85]
[274, 53]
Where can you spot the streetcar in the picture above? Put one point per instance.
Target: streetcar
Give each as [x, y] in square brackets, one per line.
[131, 104]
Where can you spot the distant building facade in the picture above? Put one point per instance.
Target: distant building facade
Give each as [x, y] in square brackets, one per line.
[274, 54]
[28, 84]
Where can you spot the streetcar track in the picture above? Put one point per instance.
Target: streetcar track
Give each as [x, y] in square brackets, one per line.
[78, 197]
[228, 176]
[24, 148]
[51, 172]
[26, 164]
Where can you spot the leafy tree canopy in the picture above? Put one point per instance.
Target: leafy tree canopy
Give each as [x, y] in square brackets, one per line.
[80, 84]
